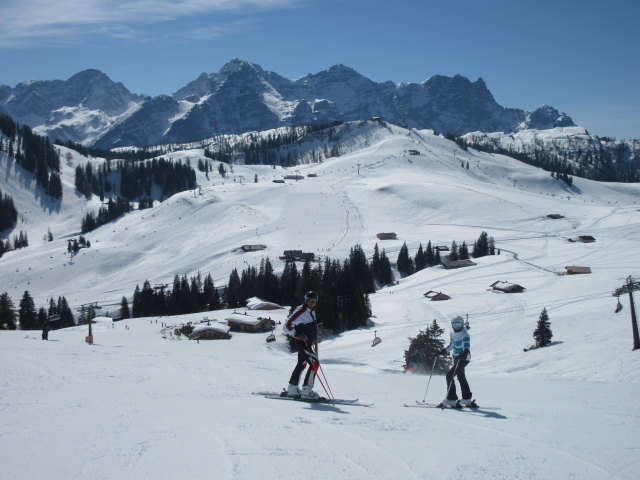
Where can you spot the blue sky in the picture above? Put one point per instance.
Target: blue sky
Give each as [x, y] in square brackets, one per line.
[581, 57]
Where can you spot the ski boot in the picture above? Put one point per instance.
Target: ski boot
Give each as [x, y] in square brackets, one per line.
[450, 404]
[292, 391]
[308, 393]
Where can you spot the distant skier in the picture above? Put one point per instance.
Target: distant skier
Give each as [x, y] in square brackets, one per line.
[459, 346]
[301, 327]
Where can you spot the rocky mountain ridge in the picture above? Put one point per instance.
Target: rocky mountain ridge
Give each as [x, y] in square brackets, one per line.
[90, 108]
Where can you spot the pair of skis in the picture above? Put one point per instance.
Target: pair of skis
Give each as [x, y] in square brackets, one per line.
[330, 401]
[457, 406]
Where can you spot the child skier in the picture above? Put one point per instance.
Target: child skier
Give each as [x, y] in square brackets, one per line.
[459, 346]
[301, 327]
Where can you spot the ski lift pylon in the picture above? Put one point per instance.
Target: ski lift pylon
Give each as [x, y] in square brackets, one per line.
[376, 338]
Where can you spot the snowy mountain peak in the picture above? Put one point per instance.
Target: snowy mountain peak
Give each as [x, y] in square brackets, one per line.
[237, 65]
[243, 97]
[546, 117]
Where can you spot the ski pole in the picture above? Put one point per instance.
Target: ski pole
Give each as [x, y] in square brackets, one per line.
[430, 375]
[327, 389]
[324, 387]
[315, 365]
[453, 379]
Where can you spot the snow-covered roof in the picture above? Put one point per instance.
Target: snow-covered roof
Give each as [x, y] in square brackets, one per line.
[256, 303]
[241, 318]
[217, 327]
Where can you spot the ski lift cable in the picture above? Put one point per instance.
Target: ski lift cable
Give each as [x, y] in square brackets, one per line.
[556, 304]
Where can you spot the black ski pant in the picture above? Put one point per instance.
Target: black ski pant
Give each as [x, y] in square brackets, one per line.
[458, 371]
[305, 356]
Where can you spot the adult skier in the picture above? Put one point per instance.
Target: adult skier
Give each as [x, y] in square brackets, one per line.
[460, 348]
[301, 328]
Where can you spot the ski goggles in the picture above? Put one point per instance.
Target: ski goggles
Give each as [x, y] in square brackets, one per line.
[457, 325]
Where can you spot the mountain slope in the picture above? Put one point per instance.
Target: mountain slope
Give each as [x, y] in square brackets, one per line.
[141, 402]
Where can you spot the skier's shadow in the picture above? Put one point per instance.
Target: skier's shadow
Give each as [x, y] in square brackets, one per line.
[327, 407]
[485, 413]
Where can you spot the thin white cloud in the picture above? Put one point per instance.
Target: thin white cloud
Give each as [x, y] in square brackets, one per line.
[32, 22]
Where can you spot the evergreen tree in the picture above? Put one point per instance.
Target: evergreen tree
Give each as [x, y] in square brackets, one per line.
[420, 259]
[267, 282]
[386, 275]
[208, 293]
[481, 246]
[404, 262]
[124, 308]
[136, 308]
[7, 313]
[66, 315]
[427, 350]
[454, 255]
[464, 251]
[375, 263]
[436, 257]
[54, 186]
[305, 282]
[429, 255]
[53, 309]
[232, 292]
[42, 317]
[542, 334]
[361, 269]
[8, 212]
[27, 314]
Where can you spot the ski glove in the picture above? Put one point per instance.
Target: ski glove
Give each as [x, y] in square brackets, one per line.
[464, 354]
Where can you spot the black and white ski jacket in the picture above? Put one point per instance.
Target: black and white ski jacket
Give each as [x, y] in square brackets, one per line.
[302, 315]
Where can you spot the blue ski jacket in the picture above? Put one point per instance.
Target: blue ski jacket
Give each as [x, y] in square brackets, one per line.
[458, 341]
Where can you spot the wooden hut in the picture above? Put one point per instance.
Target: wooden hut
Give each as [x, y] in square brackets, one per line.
[436, 296]
[507, 287]
[256, 303]
[247, 323]
[586, 239]
[252, 248]
[297, 256]
[387, 236]
[573, 270]
[457, 264]
[210, 332]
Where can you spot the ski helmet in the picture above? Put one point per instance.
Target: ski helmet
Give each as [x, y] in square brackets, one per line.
[457, 323]
[310, 295]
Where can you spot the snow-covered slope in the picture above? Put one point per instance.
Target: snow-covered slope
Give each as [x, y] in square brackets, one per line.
[139, 405]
